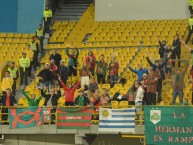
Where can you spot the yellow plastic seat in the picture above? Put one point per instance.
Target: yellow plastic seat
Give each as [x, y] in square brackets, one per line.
[10, 35]
[2, 35]
[17, 35]
[2, 40]
[114, 104]
[8, 40]
[123, 104]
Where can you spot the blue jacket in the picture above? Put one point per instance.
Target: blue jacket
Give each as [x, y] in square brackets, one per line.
[139, 72]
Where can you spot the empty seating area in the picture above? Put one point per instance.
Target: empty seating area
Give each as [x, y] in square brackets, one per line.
[12, 45]
[61, 31]
[135, 31]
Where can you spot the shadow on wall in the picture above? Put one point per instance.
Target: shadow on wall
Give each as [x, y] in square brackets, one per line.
[30, 15]
[8, 11]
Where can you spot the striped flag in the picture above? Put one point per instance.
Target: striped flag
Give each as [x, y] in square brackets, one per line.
[117, 120]
[74, 118]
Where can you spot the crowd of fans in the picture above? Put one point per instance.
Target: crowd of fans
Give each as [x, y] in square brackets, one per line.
[55, 75]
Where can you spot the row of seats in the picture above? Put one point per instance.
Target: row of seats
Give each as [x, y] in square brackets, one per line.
[14, 40]
[61, 31]
[16, 35]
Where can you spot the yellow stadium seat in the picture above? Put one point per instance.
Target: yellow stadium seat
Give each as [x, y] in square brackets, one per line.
[10, 35]
[17, 35]
[2, 40]
[15, 41]
[8, 40]
[123, 104]
[114, 104]
[2, 35]
[24, 35]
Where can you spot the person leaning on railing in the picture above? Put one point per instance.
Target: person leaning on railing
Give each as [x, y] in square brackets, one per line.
[31, 101]
[6, 100]
[69, 92]
[81, 99]
[51, 99]
[104, 100]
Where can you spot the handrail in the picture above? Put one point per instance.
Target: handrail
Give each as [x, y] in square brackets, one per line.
[94, 119]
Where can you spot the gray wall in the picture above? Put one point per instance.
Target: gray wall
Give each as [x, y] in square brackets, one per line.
[113, 10]
[39, 140]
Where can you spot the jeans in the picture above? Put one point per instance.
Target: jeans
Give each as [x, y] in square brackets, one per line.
[159, 90]
[138, 110]
[23, 75]
[47, 25]
[14, 86]
[92, 71]
[42, 44]
[47, 84]
[72, 71]
[100, 77]
[151, 98]
[175, 93]
[35, 59]
[145, 98]
[176, 56]
[113, 80]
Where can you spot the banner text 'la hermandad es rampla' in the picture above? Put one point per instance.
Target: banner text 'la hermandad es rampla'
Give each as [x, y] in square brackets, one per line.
[169, 125]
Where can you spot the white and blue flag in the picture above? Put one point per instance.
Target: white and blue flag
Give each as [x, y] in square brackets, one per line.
[117, 120]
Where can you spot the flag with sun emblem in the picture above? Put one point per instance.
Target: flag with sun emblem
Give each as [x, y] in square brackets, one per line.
[25, 117]
[117, 120]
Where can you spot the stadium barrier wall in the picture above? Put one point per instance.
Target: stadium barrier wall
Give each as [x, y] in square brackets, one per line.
[21, 16]
[8, 11]
[113, 10]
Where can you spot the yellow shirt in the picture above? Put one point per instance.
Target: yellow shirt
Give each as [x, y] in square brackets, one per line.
[6, 83]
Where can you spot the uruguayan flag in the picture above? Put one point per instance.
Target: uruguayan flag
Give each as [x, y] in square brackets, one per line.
[117, 120]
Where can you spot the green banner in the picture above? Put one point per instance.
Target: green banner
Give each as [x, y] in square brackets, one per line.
[168, 125]
[74, 118]
[25, 117]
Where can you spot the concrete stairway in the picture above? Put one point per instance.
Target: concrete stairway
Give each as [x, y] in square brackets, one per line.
[70, 12]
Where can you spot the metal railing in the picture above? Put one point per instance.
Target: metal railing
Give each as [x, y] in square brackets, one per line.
[48, 114]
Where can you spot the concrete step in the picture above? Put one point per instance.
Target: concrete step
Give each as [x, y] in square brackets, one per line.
[68, 17]
[76, 20]
[71, 10]
[68, 14]
[68, 6]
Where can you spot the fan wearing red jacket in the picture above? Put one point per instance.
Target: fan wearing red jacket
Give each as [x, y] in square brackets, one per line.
[113, 71]
[90, 61]
[69, 92]
[53, 68]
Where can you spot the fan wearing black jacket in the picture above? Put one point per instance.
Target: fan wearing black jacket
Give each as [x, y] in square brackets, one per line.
[47, 76]
[7, 99]
[176, 43]
[56, 57]
[51, 99]
[158, 73]
[162, 48]
[63, 72]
